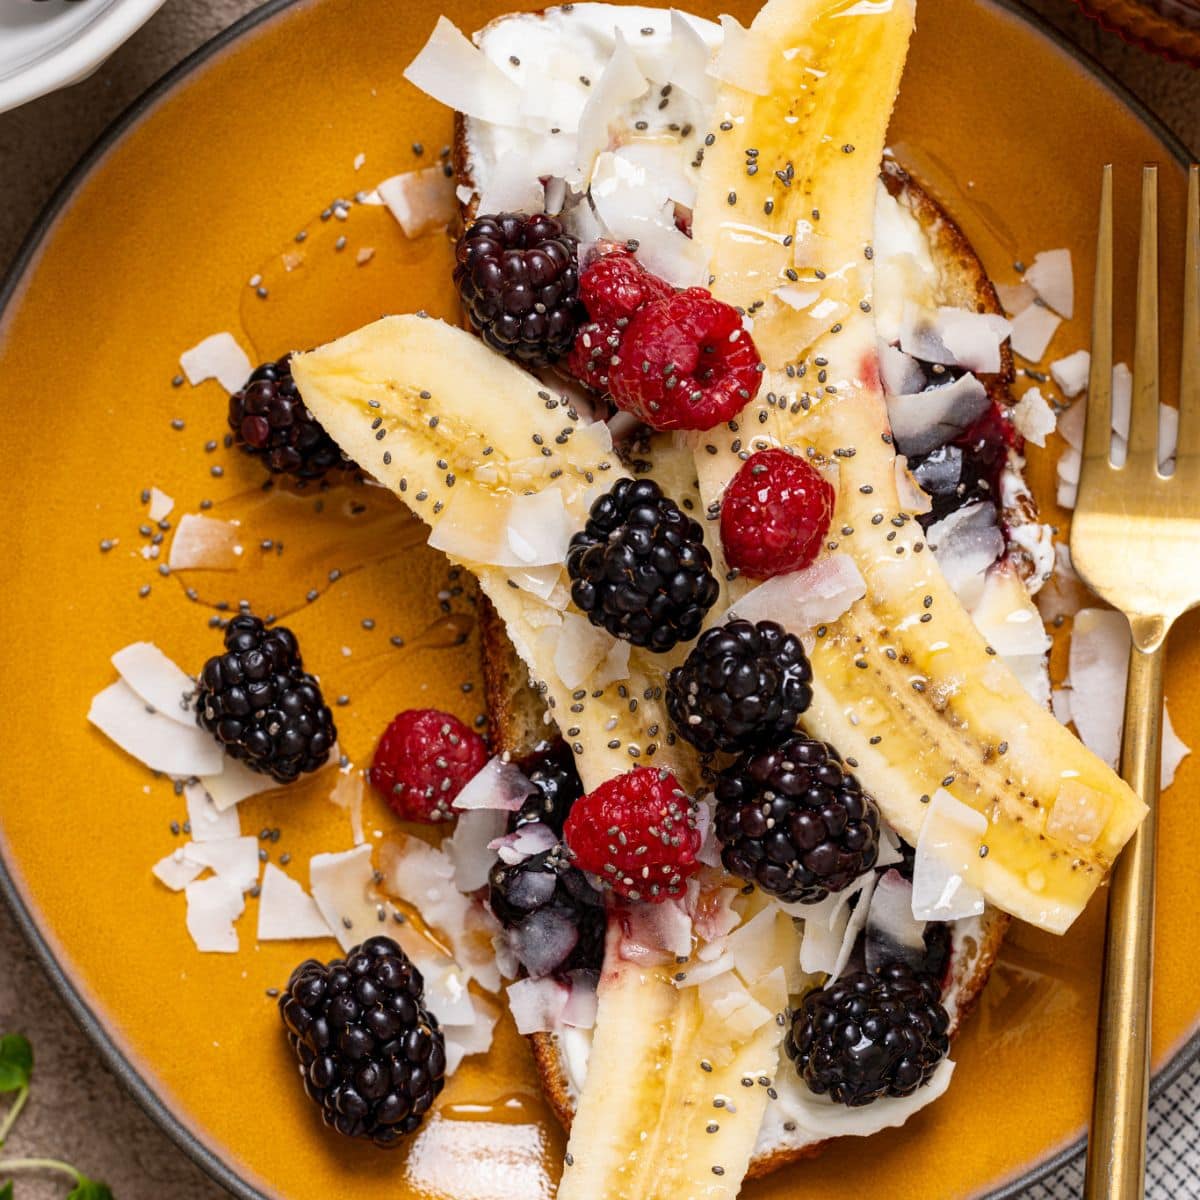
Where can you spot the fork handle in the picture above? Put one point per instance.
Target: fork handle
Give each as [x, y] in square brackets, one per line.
[1116, 1156]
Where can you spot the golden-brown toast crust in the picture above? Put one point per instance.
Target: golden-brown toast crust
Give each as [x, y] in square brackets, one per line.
[516, 711]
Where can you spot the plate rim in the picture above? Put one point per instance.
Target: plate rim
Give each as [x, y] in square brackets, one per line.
[114, 1057]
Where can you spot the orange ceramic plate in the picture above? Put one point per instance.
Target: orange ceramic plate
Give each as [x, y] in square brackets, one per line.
[149, 248]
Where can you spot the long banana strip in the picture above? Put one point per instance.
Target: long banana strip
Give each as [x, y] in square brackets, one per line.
[673, 1100]
[461, 435]
[905, 686]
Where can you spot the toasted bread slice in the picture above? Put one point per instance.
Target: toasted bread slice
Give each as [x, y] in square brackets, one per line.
[519, 719]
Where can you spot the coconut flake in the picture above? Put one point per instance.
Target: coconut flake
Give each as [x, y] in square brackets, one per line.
[828, 938]
[1060, 705]
[217, 357]
[1097, 664]
[160, 742]
[468, 847]
[212, 907]
[892, 932]
[177, 870]
[343, 890]
[1012, 626]
[496, 785]
[286, 912]
[689, 61]
[1032, 331]
[524, 842]
[1174, 751]
[1070, 424]
[948, 843]
[619, 84]
[580, 1009]
[208, 823]
[462, 1041]
[740, 59]
[730, 1009]
[974, 339]
[233, 858]
[160, 505]
[1033, 417]
[205, 544]
[900, 373]
[421, 200]
[456, 73]
[157, 680]
[234, 784]
[1051, 277]
[966, 542]
[580, 650]
[802, 600]
[922, 421]
[1071, 373]
[512, 186]
[537, 1004]
[752, 945]
[424, 877]
[516, 531]
[1015, 298]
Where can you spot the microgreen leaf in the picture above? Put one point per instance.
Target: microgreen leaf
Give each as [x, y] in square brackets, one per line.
[6, 1192]
[88, 1189]
[16, 1064]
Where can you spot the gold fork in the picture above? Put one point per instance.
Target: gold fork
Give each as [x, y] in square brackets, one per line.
[1135, 540]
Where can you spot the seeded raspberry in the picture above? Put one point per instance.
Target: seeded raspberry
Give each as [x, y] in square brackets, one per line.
[775, 515]
[685, 363]
[423, 761]
[612, 287]
[637, 833]
[615, 286]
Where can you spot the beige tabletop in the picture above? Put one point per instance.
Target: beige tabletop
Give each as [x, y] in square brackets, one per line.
[78, 1111]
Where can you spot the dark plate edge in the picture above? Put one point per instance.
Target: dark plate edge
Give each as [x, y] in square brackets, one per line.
[114, 1058]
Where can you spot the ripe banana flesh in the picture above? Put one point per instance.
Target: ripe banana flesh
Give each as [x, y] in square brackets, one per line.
[904, 686]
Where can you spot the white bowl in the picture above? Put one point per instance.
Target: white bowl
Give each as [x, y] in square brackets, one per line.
[47, 44]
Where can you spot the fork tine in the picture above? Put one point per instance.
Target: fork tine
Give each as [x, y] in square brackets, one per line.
[1099, 394]
[1188, 451]
[1143, 425]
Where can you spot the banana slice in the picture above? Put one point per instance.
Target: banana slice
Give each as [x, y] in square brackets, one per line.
[675, 1095]
[504, 472]
[905, 686]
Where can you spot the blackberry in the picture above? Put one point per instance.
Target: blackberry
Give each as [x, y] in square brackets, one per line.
[869, 1034]
[742, 685]
[518, 277]
[552, 771]
[794, 821]
[553, 917]
[270, 421]
[261, 704]
[371, 1054]
[640, 568]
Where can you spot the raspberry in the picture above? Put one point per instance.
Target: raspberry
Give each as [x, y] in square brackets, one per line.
[422, 762]
[775, 515]
[613, 288]
[637, 833]
[685, 363]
